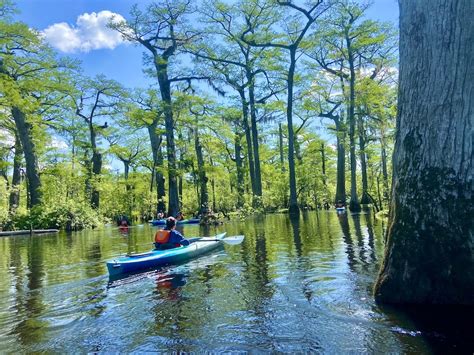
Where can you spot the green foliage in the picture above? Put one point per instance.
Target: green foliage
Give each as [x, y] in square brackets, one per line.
[69, 216]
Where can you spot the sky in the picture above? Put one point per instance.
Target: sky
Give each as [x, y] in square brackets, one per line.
[77, 28]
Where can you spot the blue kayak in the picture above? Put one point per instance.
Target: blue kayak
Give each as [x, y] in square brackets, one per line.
[155, 258]
[162, 222]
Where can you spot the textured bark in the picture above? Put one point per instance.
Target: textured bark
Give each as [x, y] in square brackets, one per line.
[365, 199]
[293, 204]
[429, 255]
[14, 200]
[155, 141]
[323, 161]
[161, 64]
[204, 195]
[96, 166]
[256, 154]
[354, 204]
[240, 170]
[248, 138]
[24, 130]
[341, 162]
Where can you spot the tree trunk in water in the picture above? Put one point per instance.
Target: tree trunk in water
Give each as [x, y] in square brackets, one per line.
[429, 257]
[354, 204]
[293, 205]
[341, 163]
[248, 137]
[240, 170]
[155, 141]
[96, 171]
[365, 199]
[31, 159]
[256, 154]
[161, 65]
[204, 195]
[14, 200]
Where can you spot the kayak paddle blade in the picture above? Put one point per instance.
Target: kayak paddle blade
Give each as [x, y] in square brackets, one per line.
[234, 240]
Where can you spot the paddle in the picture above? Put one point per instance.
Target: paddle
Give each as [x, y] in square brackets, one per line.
[232, 240]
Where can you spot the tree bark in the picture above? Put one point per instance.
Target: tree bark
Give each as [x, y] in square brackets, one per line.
[96, 167]
[204, 195]
[429, 256]
[293, 205]
[240, 170]
[365, 199]
[155, 141]
[161, 65]
[354, 204]
[24, 130]
[256, 154]
[248, 138]
[341, 162]
[14, 200]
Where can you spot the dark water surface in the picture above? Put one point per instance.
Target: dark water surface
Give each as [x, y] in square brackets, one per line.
[290, 286]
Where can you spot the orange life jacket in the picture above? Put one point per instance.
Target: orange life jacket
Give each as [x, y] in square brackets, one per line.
[162, 236]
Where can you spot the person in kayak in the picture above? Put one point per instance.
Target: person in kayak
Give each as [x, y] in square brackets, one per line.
[169, 237]
[180, 216]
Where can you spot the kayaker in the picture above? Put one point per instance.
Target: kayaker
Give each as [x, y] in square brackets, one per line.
[180, 216]
[169, 237]
[340, 204]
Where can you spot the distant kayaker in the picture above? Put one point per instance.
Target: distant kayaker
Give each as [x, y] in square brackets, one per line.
[169, 237]
[340, 204]
[180, 216]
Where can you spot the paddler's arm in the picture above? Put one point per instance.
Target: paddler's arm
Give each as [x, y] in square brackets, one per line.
[177, 237]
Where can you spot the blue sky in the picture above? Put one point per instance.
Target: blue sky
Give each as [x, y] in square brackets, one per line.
[124, 62]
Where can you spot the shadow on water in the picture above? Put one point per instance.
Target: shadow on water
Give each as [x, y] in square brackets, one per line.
[446, 329]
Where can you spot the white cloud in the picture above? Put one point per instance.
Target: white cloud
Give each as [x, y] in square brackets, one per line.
[89, 33]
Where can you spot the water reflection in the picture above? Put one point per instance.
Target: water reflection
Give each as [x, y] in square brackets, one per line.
[297, 285]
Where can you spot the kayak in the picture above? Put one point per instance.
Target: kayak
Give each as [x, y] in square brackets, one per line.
[162, 222]
[155, 258]
[340, 209]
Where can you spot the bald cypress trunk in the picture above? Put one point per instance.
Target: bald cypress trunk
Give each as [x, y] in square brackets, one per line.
[14, 200]
[24, 130]
[429, 255]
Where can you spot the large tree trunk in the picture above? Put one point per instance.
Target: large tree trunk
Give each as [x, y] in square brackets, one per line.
[96, 171]
[365, 199]
[24, 130]
[14, 200]
[341, 162]
[155, 141]
[293, 205]
[204, 195]
[354, 204]
[165, 90]
[256, 154]
[96, 167]
[240, 170]
[429, 255]
[248, 137]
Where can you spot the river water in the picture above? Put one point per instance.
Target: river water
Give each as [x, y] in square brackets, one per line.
[290, 286]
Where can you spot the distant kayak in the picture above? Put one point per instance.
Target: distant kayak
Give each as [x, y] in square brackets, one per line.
[340, 209]
[155, 258]
[162, 222]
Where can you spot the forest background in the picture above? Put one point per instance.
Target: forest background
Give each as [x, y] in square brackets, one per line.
[236, 106]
